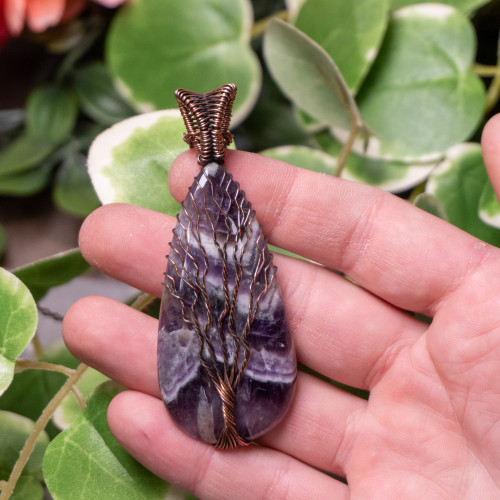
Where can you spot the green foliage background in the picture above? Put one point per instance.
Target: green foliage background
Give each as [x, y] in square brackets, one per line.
[384, 92]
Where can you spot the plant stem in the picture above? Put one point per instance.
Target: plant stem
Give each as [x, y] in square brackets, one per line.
[142, 301]
[79, 397]
[27, 364]
[41, 423]
[37, 346]
[486, 71]
[346, 148]
[260, 26]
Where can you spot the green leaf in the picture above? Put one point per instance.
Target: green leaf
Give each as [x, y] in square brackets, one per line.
[27, 487]
[157, 46]
[3, 241]
[458, 184]
[51, 113]
[431, 204]
[14, 430]
[467, 6]
[307, 76]
[85, 461]
[98, 96]
[393, 176]
[129, 162]
[28, 182]
[272, 122]
[420, 96]
[43, 274]
[303, 157]
[31, 390]
[489, 208]
[18, 322]
[10, 119]
[22, 154]
[73, 191]
[69, 409]
[350, 32]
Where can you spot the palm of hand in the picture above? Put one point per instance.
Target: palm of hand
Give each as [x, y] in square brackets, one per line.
[431, 426]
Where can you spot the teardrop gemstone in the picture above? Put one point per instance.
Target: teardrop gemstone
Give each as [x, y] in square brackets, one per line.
[226, 360]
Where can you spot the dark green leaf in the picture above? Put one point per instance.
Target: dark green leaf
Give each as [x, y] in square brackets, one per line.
[24, 153]
[14, 430]
[98, 96]
[3, 240]
[28, 182]
[73, 191]
[52, 271]
[51, 114]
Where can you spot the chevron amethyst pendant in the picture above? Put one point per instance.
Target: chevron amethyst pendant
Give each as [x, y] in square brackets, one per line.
[226, 360]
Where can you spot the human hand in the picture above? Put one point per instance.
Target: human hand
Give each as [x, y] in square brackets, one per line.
[431, 427]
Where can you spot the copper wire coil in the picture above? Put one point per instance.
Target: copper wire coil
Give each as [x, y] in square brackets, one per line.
[207, 118]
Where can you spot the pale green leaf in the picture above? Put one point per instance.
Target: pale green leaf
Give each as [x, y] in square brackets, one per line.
[18, 322]
[307, 76]
[420, 96]
[157, 46]
[489, 208]
[458, 184]
[85, 461]
[350, 32]
[467, 6]
[390, 175]
[51, 271]
[129, 162]
[303, 157]
[69, 409]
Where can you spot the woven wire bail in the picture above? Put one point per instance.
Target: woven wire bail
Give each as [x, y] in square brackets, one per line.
[207, 118]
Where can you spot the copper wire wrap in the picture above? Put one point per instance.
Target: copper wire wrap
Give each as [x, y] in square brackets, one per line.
[207, 117]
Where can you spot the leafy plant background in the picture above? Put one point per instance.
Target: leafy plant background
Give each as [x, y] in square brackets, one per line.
[384, 92]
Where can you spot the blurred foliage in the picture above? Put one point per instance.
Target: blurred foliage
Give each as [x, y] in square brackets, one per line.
[387, 93]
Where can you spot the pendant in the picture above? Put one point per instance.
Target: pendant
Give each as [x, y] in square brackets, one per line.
[226, 360]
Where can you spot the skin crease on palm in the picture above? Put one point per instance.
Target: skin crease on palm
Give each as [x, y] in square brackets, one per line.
[431, 427]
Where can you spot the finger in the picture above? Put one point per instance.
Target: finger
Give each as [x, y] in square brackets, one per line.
[121, 343]
[490, 142]
[370, 235]
[141, 424]
[340, 330]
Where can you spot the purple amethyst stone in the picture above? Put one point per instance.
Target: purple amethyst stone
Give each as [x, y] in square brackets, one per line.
[226, 360]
